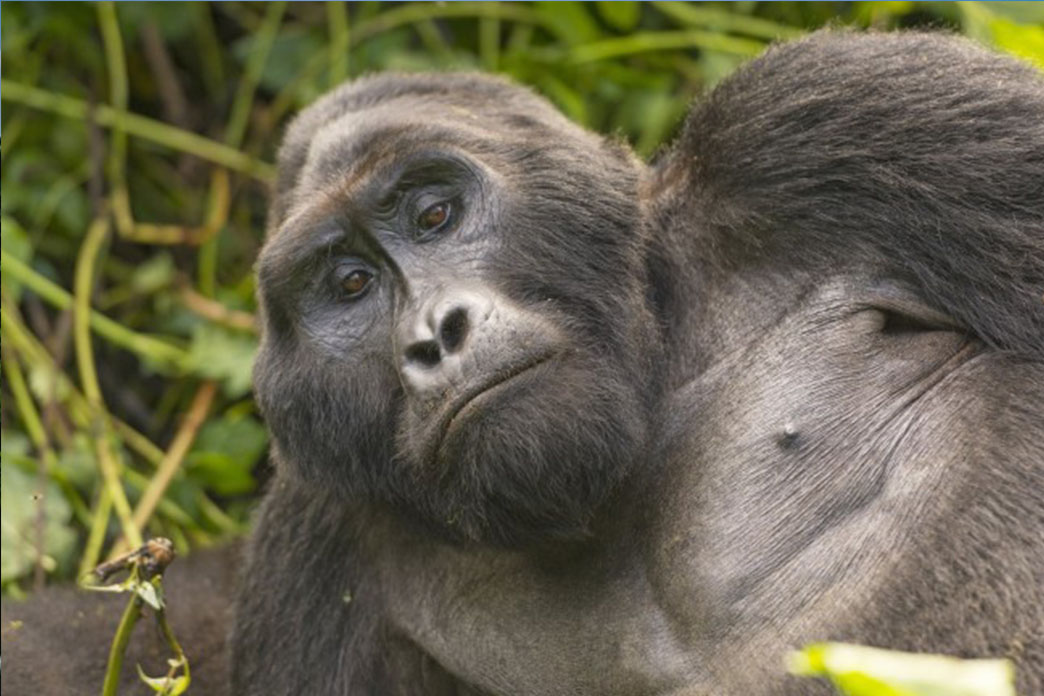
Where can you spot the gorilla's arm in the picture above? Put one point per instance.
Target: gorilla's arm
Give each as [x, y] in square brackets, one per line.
[58, 641]
[312, 600]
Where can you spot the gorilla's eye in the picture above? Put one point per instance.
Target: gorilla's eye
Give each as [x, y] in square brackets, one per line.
[434, 217]
[355, 283]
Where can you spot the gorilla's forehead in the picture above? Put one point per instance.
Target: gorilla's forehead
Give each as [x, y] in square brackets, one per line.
[356, 142]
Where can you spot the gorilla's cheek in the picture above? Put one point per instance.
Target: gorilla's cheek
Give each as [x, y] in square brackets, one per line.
[327, 416]
[531, 457]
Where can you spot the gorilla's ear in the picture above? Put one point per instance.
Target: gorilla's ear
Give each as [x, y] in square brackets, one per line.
[58, 641]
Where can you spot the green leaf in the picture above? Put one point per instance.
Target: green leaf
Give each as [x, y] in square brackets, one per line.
[857, 670]
[290, 52]
[622, 16]
[570, 21]
[168, 686]
[153, 275]
[1022, 40]
[225, 355]
[77, 462]
[225, 452]
[14, 241]
[172, 20]
[46, 384]
[149, 594]
[19, 502]
[1021, 12]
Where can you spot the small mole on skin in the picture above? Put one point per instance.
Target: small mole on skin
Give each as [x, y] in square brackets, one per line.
[788, 435]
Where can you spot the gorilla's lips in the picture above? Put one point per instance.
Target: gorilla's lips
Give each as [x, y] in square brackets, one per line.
[470, 396]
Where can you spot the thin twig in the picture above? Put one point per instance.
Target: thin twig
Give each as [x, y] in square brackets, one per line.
[83, 282]
[237, 121]
[145, 346]
[138, 126]
[92, 548]
[175, 106]
[130, 616]
[489, 42]
[337, 17]
[34, 352]
[24, 343]
[171, 463]
[116, 66]
[217, 312]
[409, 13]
[642, 42]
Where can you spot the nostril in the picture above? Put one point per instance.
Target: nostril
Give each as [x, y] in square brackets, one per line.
[423, 353]
[454, 330]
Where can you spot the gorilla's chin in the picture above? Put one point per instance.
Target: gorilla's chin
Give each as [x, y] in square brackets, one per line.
[529, 458]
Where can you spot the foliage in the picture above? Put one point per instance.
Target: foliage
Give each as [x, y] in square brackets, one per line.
[144, 583]
[860, 671]
[136, 155]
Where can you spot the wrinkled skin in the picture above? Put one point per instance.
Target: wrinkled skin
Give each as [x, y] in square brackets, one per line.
[548, 420]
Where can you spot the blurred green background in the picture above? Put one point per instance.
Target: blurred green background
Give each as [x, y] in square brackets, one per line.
[136, 154]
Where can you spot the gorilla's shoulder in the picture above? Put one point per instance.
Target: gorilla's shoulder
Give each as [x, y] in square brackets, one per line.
[922, 153]
[902, 49]
[875, 82]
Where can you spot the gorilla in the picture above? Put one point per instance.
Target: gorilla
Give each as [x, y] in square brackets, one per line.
[549, 420]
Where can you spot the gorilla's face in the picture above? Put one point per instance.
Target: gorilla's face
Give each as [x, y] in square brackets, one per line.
[450, 314]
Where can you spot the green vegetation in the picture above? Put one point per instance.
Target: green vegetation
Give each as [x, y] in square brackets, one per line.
[860, 671]
[137, 147]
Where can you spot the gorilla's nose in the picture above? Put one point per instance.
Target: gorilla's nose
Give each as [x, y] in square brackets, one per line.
[441, 333]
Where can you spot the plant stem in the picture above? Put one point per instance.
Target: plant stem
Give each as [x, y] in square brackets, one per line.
[244, 100]
[131, 614]
[116, 65]
[642, 42]
[171, 463]
[337, 16]
[175, 646]
[138, 126]
[35, 353]
[26, 408]
[145, 346]
[489, 42]
[421, 11]
[83, 283]
[96, 534]
[725, 20]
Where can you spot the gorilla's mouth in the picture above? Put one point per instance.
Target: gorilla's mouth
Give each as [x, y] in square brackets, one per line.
[477, 392]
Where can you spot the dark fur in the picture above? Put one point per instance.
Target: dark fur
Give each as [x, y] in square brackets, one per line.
[543, 240]
[873, 149]
[819, 316]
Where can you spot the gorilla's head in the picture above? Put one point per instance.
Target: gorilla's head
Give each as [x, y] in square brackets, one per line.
[454, 313]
